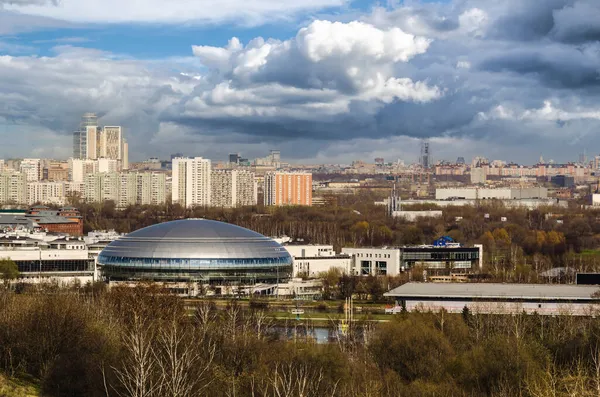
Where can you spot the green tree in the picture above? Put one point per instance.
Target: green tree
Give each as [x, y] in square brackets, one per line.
[8, 270]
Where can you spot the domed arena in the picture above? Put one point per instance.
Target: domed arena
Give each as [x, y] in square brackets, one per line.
[196, 251]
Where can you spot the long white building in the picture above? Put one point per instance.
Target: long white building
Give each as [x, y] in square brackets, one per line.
[191, 183]
[54, 259]
[478, 193]
[46, 192]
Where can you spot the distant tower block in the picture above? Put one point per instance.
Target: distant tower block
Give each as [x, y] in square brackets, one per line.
[425, 159]
[394, 202]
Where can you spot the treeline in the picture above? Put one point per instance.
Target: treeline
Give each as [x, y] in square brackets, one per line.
[519, 243]
[137, 342]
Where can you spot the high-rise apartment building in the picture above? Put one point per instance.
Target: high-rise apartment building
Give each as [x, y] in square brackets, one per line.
[233, 188]
[151, 188]
[13, 188]
[127, 190]
[1, 166]
[79, 168]
[46, 193]
[288, 188]
[191, 184]
[32, 168]
[102, 187]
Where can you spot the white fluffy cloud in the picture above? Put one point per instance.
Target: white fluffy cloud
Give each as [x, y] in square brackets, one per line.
[355, 60]
[171, 11]
[547, 112]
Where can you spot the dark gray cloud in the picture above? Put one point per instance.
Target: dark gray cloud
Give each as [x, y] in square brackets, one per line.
[515, 77]
[556, 66]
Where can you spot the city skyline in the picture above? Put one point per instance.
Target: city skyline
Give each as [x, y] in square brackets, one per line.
[509, 80]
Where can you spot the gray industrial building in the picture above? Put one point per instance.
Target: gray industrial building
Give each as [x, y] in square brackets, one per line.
[497, 298]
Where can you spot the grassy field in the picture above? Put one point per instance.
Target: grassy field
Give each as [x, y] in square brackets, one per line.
[11, 387]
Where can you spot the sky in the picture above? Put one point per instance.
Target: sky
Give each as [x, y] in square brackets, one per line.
[324, 81]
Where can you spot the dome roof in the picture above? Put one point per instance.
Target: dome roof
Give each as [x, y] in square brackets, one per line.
[194, 229]
[194, 239]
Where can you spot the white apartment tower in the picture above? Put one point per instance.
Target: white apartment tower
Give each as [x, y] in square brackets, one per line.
[151, 188]
[191, 184]
[13, 188]
[102, 187]
[79, 168]
[46, 193]
[233, 188]
[128, 192]
[32, 168]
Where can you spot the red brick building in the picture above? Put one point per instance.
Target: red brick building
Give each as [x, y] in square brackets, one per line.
[65, 220]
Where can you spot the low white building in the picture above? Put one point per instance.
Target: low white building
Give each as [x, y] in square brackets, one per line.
[309, 250]
[63, 260]
[313, 267]
[376, 261]
[414, 215]
[312, 259]
[481, 193]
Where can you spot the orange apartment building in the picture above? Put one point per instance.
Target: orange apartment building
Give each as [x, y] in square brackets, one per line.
[288, 188]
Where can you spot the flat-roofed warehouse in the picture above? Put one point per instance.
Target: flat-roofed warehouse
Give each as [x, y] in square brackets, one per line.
[498, 298]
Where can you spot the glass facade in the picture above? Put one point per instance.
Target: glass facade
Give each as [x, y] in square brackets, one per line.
[63, 265]
[176, 269]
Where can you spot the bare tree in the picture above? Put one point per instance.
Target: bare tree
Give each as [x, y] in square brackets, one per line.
[299, 380]
[180, 360]
[138, 372]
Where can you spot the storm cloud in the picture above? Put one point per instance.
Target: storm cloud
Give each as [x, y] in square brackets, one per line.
[472, 76]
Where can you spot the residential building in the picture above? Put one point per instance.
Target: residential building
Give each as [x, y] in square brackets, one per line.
[46, 192]
[233, 188]
[79, 168]
[191, 184]
[13, 188]
[32, 168]
[288, 188]
[74, 189]
[100, 187]
[128, 190]
[2, 166]
[151, 188]
[108, 165]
